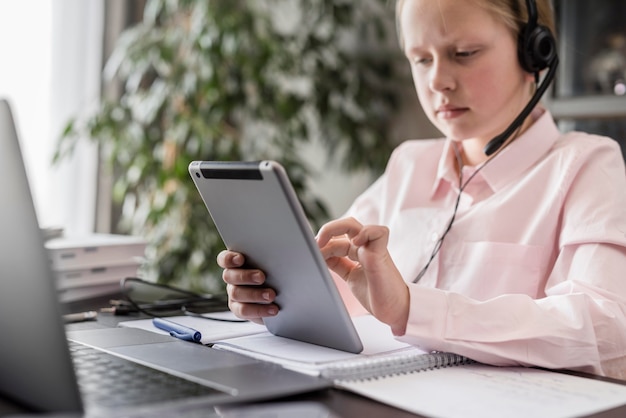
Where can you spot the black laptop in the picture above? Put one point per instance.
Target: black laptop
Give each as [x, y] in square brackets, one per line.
[155, 375]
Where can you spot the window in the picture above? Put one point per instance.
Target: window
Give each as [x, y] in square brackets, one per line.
[50, 70]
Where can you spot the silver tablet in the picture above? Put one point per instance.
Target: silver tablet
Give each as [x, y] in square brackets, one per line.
[257, 213]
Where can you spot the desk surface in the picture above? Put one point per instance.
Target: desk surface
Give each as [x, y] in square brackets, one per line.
[339, 403]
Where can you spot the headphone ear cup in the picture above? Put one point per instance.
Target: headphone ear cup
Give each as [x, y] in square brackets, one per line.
[536, 48]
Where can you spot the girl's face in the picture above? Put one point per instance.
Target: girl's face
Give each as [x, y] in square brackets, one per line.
[465, 68]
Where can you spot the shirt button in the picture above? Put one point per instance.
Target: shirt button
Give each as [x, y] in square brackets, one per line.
[434, 237]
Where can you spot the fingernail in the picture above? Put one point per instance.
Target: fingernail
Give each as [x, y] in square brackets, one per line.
[238, 259]
[272, 311]
[266, 296]
[257, 278]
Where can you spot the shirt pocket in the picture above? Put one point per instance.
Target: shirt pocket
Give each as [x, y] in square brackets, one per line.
[483, 270]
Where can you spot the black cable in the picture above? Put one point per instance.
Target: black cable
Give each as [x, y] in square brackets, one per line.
[462, 187]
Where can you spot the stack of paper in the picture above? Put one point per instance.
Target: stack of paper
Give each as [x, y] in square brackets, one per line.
[93, 265]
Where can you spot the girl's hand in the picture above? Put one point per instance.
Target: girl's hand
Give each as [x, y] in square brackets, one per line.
[358, 254]
[248, 298]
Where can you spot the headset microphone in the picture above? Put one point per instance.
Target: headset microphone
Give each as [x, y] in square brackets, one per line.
[499, 140]
[536, 49]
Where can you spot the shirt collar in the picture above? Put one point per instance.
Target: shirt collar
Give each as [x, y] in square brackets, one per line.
[518, 156]
[446, 170]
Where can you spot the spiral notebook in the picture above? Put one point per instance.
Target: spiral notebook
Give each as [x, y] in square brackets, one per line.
[382, 354]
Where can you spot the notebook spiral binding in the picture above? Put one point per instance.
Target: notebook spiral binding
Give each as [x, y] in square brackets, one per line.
[386, 367]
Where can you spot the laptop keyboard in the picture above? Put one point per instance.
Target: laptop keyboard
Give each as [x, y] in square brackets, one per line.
[108, 381]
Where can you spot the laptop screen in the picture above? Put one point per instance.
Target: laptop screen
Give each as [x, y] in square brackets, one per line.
[35, 366]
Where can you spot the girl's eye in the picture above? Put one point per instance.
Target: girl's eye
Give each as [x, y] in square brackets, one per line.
[421, 61]
[465, 54]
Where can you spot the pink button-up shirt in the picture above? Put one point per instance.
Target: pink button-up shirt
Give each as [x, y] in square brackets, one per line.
[533, 271]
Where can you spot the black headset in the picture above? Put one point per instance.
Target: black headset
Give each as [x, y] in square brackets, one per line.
[536, 51]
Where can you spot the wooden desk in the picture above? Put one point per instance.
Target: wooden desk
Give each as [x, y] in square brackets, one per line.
[339, 403]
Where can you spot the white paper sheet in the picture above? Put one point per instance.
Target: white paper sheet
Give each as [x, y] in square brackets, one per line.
[480, 391]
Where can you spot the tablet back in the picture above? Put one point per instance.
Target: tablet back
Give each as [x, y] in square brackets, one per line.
[257, 213]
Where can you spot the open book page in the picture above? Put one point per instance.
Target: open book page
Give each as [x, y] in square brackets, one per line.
[377, 339]
[211, 330]
[477, 390]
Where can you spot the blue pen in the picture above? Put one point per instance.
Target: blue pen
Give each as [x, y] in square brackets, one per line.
[177, 330]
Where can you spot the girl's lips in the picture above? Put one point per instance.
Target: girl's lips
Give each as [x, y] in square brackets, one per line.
[450, 112]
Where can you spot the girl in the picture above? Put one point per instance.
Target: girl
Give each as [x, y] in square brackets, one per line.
[513, 258]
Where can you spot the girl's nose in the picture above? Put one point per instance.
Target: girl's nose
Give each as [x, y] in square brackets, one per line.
[441, 77]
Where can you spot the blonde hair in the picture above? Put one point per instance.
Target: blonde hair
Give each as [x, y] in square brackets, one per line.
[513, 13]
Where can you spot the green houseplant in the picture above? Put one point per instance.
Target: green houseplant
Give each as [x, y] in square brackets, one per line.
[233, 80]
